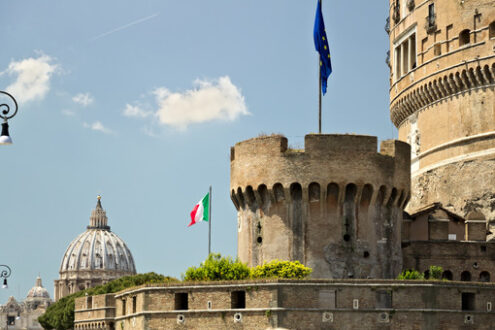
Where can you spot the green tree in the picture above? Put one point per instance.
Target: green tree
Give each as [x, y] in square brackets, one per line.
[281, 269]
[218, 268]
[60, 315]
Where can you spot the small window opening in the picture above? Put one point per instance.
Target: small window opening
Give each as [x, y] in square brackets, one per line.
[10, 320]
[259, 240]
[468, 301]
[181, 301]
[347, 237]
[366, 254]
[384, 299]
[447, 275]
[484, 277]
[431, 15]
[466, 276]
[89, 302]
[491, 30]
[464, 37]
[427, 274]
[134, 304]
[238, 299]
[483, 248]
[123, 307]
[438, 49]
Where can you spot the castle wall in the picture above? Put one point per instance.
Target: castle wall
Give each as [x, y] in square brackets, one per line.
[442, 100]
[303, 304]
[454, 257]
[336, 206]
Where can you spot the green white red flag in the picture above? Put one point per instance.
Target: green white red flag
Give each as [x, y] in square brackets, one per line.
[200, 210]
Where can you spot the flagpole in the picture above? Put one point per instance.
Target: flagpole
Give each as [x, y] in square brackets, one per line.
[209, 223]
[319, 89]
[319, 97]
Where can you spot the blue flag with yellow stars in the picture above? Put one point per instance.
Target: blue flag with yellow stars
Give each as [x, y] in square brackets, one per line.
[321, 45]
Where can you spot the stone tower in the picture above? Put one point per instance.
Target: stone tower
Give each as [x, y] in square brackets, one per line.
[442, 60]
[336, 206]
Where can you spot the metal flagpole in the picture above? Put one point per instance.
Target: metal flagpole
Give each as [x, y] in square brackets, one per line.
[209, 223]
[319, 97]
[319, 90]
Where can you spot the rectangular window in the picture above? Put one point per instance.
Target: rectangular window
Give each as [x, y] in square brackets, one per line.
[181, 302]
[10, 320]
[384, 299]
[431, 15]
[405, 55]
[123, 307]
[398, 72]
[238, 299]
[134, 304]
[89, 302]
[468, 301]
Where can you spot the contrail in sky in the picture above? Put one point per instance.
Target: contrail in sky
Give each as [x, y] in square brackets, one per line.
[120, 28]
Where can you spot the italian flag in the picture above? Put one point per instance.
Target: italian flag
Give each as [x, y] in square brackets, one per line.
[200, 210]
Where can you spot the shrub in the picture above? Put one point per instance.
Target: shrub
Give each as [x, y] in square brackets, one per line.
[281, 269]
[436, 272]
[218, 268]
[60, 315]
[410, 275]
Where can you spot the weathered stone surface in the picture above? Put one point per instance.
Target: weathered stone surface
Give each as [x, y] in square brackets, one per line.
[336, 206]
[297, 304]
[442, 100]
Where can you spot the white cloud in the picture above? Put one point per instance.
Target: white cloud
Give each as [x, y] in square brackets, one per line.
[135, 111]
[83, 99]
[98, 126]
[32, 77]
[209, 100]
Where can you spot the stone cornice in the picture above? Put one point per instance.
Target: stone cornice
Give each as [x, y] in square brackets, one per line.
[440, 87]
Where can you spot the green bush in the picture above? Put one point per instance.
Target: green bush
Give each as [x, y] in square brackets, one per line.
[410, 275]
[281, 269]
[436, 272]
[218, 268]
[60, 315]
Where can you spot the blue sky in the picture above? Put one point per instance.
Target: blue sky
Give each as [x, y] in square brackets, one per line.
[141, 101]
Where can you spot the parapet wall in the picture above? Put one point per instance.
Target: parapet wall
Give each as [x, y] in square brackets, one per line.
[335, 206]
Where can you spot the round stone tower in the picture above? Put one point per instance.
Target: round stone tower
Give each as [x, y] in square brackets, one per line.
[336, 206]
[442, 60]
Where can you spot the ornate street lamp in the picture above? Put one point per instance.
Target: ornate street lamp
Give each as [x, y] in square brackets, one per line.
[4, 273]
[4, 114]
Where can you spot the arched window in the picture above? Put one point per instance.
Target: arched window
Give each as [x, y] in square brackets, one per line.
[491, 30]
[466, 276]
[464, 37]
[447, 275]
[484, 277]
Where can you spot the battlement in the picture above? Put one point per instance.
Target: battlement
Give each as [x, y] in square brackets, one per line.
[318, 144]
[344, 156]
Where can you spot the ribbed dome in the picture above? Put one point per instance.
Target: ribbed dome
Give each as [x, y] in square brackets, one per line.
[38, 291]
[98, 248]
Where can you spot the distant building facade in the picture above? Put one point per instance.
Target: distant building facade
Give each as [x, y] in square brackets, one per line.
[24, 315]
[95, 257]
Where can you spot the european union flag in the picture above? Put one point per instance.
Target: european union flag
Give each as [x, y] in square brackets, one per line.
[321, 45]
